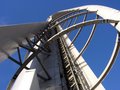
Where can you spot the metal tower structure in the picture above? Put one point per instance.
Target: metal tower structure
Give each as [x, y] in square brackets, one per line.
[52, 61]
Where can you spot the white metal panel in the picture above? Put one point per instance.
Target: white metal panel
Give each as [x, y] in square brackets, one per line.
[27, 80]
[11, 35]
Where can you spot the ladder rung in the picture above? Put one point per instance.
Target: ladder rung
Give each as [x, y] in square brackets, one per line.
[65, 58]
[72, 85]
[67, 66]
[68, 71]
[70, 77]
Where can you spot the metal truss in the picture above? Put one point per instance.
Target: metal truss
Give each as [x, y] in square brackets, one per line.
[33, 53]
[69, 22]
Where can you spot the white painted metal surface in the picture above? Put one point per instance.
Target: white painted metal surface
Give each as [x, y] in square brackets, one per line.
[84, 67]
[27, 80]
[103, 11]
[11, 35]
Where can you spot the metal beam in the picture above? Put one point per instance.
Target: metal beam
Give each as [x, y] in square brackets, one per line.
[72, 16]
[76, 26]
[26, 62]
[59, 18]
[88, 41]
[110, 63]
[80, 29]
[19, 55]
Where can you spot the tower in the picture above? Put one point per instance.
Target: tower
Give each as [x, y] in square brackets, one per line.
[52, 61]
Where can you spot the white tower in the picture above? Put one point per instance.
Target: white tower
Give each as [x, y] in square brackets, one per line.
[52, 61]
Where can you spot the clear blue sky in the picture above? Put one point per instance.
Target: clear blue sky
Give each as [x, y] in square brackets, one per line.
[27, 11]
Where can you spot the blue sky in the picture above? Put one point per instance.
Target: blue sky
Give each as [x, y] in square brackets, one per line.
[28, 11]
